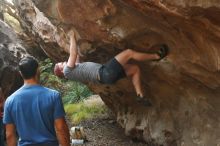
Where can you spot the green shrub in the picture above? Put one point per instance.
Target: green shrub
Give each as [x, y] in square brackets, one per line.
[46, 66]
[77, 92]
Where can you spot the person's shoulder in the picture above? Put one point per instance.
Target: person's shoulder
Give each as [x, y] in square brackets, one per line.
[50, 90]
[10, 99]
[15, 94]
[66, 67]
[51, 94]
[67, 71]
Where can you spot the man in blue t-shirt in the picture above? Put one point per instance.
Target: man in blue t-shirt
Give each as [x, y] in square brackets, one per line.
[36, 113]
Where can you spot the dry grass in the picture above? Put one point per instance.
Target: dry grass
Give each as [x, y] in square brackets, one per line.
[87, 109]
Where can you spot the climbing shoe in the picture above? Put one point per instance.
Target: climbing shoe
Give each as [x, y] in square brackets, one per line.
[163, 51]
[143, 101]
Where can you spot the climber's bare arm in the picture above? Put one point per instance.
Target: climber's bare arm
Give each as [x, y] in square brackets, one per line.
[73, 51]
[77, 59]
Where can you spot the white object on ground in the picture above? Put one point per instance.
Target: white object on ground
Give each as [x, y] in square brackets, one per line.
[77, 141]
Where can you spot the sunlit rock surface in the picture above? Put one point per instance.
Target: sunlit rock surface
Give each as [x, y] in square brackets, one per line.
[10, 53]
[184, 88]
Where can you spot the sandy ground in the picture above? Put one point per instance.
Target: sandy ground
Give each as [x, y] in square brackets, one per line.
[104, 131]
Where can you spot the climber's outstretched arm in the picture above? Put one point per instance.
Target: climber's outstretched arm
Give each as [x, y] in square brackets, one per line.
[77, 58]
[73, 50]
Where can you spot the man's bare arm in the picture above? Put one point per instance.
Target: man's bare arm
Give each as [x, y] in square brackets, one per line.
[73, 50]
[11, 135]
[62, 132]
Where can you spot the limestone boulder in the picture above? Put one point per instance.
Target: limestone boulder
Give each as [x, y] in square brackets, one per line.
[11, 51]
[184, 88]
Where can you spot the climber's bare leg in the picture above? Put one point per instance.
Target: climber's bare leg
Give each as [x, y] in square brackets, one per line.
[128, 54]
[131, 70]
[134, 73]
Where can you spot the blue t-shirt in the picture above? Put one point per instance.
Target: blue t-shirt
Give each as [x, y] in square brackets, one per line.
[33, 110]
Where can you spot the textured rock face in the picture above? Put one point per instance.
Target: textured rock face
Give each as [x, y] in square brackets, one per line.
[184, 88]
[10, 53]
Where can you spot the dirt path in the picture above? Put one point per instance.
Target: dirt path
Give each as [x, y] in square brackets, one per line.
[104, 131]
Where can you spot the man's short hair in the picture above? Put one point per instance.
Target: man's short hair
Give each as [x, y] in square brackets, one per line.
[58, 71]
[28, 67]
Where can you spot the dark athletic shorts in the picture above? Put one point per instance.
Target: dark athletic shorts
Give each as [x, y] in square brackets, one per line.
[111, 72]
